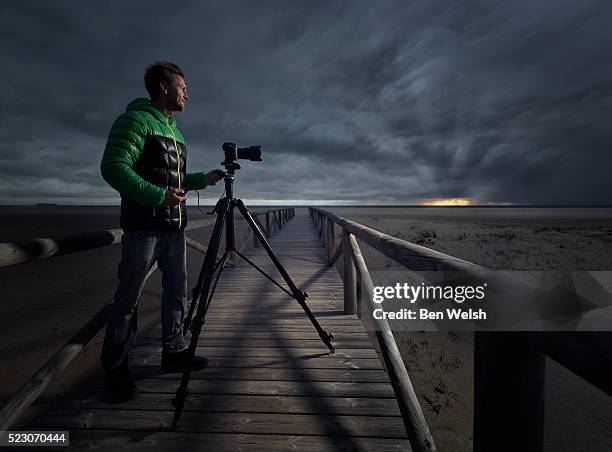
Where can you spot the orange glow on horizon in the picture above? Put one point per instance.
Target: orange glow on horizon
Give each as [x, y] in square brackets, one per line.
[447, 202]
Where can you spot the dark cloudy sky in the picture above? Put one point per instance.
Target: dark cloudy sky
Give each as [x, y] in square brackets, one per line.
[360, 101]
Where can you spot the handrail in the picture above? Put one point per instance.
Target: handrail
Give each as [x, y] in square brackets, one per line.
[416, 257]
[20, 252]
[36, 385]
[412, 414]
[416, 426]
[14, 253]
[521, 400]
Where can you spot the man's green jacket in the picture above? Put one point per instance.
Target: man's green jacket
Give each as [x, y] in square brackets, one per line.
[145, 154]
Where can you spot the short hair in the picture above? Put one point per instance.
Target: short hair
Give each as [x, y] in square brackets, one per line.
[159, 72]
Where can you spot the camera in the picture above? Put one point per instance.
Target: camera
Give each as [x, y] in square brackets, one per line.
[233, 152]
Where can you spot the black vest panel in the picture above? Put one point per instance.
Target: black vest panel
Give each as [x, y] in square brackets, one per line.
[157, 164]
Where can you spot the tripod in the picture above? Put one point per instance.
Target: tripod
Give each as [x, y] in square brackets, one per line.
[202, 292]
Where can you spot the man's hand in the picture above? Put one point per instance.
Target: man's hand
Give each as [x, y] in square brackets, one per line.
[214, 176]
[174, 197]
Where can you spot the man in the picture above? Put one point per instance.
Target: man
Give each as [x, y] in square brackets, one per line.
[145, 160]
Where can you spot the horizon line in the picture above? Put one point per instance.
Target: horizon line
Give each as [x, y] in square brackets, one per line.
[344, 205]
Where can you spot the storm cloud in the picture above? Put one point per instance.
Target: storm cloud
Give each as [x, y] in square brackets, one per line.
[352, 101]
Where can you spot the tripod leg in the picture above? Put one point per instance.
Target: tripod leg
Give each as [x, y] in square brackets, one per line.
[206, 276]
[196, 293]
[196, 290]
[297, 294]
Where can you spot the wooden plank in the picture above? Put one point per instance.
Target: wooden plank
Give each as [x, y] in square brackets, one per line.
[271, 290]
[303, 322]
[147, 440]
[280, 352]
[271, 374]
[255, 423]
[300, 269]
[255, 300]
[288, 343]
[254, 294]
[257, 387]
[149, 356]
[273, 307]
[275, 301]
[285, 314]
[338, 329]
[277, 305]
[329, 321]
[276, 335]
[303, 280]
[269, 325]
[270, 404]
[295, 324]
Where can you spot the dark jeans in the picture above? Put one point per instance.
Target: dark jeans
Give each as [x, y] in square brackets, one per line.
[140, 250]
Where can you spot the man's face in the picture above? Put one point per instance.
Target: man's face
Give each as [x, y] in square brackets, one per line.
[176, 96]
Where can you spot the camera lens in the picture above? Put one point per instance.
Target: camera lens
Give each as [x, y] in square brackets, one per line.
[252, 153]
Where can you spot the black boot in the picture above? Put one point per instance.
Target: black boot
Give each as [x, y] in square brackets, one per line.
[121, 383]
[178, 362]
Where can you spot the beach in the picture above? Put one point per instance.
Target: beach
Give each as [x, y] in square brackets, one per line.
[578, 417]
[45, 302]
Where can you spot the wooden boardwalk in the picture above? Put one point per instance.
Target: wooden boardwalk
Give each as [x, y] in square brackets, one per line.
[270, 383]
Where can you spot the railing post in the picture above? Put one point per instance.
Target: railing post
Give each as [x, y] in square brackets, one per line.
[508, 393]
[268, 223]
[350, 277]
[330, 240]
[327, 239]
[255, 240]
[323, 233]
[358, 293]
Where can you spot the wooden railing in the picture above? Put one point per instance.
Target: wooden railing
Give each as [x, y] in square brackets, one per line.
[21, 252]
[13, 253]
[355, 276]
[508, 366]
